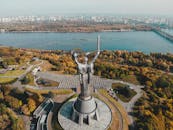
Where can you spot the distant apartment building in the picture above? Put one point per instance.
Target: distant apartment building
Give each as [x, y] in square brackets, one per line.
[2, 30]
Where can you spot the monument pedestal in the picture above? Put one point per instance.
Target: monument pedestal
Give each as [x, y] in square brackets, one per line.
[85, 110]
[66, 113]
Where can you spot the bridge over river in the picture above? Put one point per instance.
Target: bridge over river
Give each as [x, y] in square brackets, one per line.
[163, 34]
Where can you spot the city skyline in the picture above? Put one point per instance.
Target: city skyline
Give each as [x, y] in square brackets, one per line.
[55, 7]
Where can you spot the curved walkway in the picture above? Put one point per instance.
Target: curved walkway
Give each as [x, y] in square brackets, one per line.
[120, 117]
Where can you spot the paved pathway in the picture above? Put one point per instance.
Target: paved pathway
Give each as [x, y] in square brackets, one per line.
[129, 105]
[18, 83]
[120, 118]
[72, 81]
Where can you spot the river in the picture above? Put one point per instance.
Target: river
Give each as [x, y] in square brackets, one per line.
[132, 41]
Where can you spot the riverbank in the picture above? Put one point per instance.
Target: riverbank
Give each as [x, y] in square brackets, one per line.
[69, 27]
[111, 30]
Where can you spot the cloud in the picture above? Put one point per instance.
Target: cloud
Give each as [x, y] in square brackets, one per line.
[19, 7]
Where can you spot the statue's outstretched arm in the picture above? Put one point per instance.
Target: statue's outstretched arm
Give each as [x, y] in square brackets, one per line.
[96, 56]
[98, 49]
[75, 57]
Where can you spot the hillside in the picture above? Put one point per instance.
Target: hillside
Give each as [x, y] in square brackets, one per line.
[154, 71]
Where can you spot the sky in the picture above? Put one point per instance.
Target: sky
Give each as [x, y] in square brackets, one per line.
[55, 7]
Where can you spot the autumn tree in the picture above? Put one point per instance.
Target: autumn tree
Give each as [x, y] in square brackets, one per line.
[31, 104]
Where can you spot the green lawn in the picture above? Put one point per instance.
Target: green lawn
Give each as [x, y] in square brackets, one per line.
[56, 91]
[115, 85]
[28, 79]
[6, 80]
[123, 92]
[13, 73]
[47, 83]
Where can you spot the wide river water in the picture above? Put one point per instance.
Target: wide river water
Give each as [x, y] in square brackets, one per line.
[132, 41]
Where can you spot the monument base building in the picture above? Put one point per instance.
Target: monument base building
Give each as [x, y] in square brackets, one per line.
[85, 110]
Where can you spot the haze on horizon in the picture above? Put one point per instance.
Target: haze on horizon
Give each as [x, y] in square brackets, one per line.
[55, 7]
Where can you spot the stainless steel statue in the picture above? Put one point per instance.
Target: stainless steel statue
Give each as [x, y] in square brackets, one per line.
[85, 107]
[86, 70]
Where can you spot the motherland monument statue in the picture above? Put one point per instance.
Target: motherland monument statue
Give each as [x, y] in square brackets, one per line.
[86, 112]
[85, 107]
